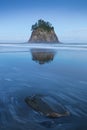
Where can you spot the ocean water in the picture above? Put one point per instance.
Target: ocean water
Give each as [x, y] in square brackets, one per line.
[58, 72]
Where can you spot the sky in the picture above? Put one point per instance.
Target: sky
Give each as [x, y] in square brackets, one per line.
[69, 18]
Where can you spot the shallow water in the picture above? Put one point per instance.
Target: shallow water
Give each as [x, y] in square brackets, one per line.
[59, 74]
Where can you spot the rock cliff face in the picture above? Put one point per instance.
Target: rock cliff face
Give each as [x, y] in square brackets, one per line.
[43, 36]
[42, 33]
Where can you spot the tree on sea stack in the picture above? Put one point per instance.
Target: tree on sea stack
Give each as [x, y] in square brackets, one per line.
[43, 32]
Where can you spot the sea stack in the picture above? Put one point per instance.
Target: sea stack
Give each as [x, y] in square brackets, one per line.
[43, 32]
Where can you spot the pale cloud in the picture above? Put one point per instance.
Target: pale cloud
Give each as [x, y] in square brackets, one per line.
[78, 36]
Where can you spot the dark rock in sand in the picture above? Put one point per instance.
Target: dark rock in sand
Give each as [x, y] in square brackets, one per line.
[41, 105]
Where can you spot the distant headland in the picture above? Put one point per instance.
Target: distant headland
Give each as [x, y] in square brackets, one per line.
[43, 32]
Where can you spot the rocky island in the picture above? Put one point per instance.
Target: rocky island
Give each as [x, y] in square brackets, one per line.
[43, 32]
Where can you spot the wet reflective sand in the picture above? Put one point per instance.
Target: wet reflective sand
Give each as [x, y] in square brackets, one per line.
[63, 78]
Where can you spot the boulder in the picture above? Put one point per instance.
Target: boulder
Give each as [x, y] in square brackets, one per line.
[45, 106]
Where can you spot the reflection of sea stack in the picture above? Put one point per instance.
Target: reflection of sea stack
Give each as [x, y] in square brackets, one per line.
[43, 32]
[42, 56]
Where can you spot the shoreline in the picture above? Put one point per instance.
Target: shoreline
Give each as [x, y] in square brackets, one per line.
[24, 47]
